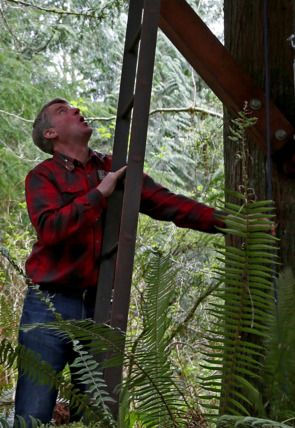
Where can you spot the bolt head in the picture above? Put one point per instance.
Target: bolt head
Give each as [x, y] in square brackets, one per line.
[255, 104]
[280, 134]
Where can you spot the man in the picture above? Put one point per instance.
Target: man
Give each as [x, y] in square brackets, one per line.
[66, 199]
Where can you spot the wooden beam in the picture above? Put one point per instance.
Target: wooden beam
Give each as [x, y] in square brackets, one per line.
[222, 74]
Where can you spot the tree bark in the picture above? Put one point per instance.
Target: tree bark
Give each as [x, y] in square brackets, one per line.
[244, 38]
[244, 35]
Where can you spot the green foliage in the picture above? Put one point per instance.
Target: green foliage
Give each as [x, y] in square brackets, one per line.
[79, 425]
[21, 423]
[40, 373]
[183, 148]
[279, 370]
[246, 281]
[234, 355]
[150, 378]
[244, 422]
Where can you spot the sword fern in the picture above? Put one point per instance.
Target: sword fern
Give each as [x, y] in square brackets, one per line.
[240, 311]
[244, 298]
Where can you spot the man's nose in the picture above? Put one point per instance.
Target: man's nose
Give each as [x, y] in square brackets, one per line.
[76, 110]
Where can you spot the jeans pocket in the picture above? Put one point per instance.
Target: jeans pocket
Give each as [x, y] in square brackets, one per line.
[35, 310]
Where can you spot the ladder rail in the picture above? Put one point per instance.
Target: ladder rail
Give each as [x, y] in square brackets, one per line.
[132, 195]
[112, 220]
[133, 185]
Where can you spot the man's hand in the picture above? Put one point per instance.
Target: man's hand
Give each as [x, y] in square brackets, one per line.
[108, 184]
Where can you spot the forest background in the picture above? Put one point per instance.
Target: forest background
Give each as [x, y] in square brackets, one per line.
[74, 50]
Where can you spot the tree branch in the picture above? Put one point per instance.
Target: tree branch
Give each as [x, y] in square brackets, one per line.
[100, 119]
[21, 157]
[183, 325]
[56, 10]
[190, 110]
[16, 116]
[9, 29]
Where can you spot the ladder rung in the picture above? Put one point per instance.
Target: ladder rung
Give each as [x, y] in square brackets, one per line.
[134, 43]
[110, 252]
[127, 109]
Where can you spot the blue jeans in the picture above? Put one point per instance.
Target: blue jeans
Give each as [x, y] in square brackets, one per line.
[38, 400]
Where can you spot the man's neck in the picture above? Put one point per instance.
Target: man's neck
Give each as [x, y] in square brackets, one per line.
[80, 153]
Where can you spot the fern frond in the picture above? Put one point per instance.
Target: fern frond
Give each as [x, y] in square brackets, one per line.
[97, 338]
[41, 372]
[21, 423]
[8, 355]
[247, 274]
[4, 423]
[228, 421]
[151, 379]
[279, 365]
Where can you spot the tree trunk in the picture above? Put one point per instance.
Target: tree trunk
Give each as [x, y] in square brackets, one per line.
[244, 38]
[244, 34]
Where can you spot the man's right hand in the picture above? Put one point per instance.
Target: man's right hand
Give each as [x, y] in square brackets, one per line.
[108, 184]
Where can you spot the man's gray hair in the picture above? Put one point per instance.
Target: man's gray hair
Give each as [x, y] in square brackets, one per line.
[43, 122]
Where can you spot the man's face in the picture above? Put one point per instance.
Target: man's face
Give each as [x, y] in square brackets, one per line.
[68, 123]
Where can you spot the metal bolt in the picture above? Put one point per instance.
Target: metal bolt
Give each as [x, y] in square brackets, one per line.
[291, 39]
[280, 134]
[255, 104]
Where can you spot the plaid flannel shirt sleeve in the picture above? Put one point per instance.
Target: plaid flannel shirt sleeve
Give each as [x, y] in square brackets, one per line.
[54, 221]
[161, 204]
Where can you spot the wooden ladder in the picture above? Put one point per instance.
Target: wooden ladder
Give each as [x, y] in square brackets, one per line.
[118, 246]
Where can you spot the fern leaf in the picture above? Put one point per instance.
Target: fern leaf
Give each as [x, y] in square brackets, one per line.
[159, 400]
[247, 274]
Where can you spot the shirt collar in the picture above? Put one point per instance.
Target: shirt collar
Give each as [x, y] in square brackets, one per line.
[98, 157]
[69, 163]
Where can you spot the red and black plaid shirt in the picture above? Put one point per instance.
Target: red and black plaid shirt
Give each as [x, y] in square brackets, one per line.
[67, 212]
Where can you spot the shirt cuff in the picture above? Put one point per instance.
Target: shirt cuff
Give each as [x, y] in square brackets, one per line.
[219, 215]
[96, 198]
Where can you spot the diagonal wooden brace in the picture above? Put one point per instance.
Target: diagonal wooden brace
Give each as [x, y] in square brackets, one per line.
[223, 75]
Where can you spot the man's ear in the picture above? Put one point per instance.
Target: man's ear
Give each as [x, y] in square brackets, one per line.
[50, 133]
